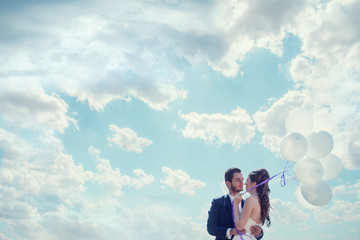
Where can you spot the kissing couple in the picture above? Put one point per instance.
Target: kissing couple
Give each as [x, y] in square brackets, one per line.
[230, 215]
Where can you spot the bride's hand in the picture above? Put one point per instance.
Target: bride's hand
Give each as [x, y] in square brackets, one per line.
[238, 199]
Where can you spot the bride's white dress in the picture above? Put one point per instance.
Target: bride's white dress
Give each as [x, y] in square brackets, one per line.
[249, 223]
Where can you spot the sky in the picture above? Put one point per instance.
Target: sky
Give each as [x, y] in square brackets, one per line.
[118, 119]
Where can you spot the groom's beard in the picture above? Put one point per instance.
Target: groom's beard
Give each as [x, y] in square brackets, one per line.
[233, 189]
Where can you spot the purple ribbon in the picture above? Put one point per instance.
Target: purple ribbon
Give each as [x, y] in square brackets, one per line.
[282, 183]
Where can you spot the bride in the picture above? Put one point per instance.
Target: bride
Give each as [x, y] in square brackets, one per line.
[256, 207]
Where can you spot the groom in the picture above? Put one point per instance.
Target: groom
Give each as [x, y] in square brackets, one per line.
[220, 222]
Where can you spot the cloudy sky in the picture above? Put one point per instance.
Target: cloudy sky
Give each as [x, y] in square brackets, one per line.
[119, 118]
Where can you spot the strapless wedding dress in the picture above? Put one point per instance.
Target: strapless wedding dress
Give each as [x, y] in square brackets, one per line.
[249, 223]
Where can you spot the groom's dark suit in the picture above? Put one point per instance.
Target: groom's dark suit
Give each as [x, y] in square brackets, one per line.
[220, 217]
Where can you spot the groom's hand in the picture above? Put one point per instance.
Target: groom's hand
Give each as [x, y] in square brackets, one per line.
[234, 232]
[255, 230]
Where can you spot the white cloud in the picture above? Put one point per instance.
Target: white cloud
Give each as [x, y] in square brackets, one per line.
[241, 26]
[341, 190]
[14, 147]
[17, 209]
[125, 86]
[26, 105]
[152, 220]
[286, 213]
[36, 180]
[143, 178]
[180, 181]
[331, 85]
[341, 211]
[351, 160]
[123, 223]
[113, 179]
[93, 55]
[2, 237]
[272, 120]
[43, 193]
[27, 229]
[40, 172]
[99, 55]
[127, 139]
[68, 224]
[235, 128]
[263, 22]
[321, 29]
[272, 142]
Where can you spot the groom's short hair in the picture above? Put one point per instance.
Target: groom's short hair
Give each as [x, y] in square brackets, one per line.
[229, 174]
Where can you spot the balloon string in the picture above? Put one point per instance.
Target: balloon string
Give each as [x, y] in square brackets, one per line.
[282, 183]
[282, 179]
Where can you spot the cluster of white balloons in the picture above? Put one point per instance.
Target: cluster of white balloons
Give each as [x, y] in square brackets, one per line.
[311, 150]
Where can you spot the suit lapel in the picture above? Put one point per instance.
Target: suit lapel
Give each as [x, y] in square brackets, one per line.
[228, 205]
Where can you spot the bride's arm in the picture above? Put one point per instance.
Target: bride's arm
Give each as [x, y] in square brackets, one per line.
[241, 219]
[237, 201]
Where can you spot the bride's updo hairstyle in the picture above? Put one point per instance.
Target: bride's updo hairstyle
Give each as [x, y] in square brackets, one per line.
[263, 191]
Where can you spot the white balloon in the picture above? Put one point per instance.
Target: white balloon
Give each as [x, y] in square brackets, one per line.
[332, 166]
[308, 170]
[320, 144]
[318, 194]
[293, 146]
[301, 200]
[299, 120]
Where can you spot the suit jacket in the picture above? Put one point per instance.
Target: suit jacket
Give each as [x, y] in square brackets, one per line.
[220, 217]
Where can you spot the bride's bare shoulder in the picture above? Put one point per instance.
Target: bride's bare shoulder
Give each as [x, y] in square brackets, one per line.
[252, 200]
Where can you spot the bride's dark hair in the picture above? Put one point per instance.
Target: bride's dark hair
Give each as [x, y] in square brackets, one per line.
[263, 191]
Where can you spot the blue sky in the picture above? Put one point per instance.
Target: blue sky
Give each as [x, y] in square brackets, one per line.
[118, 119]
